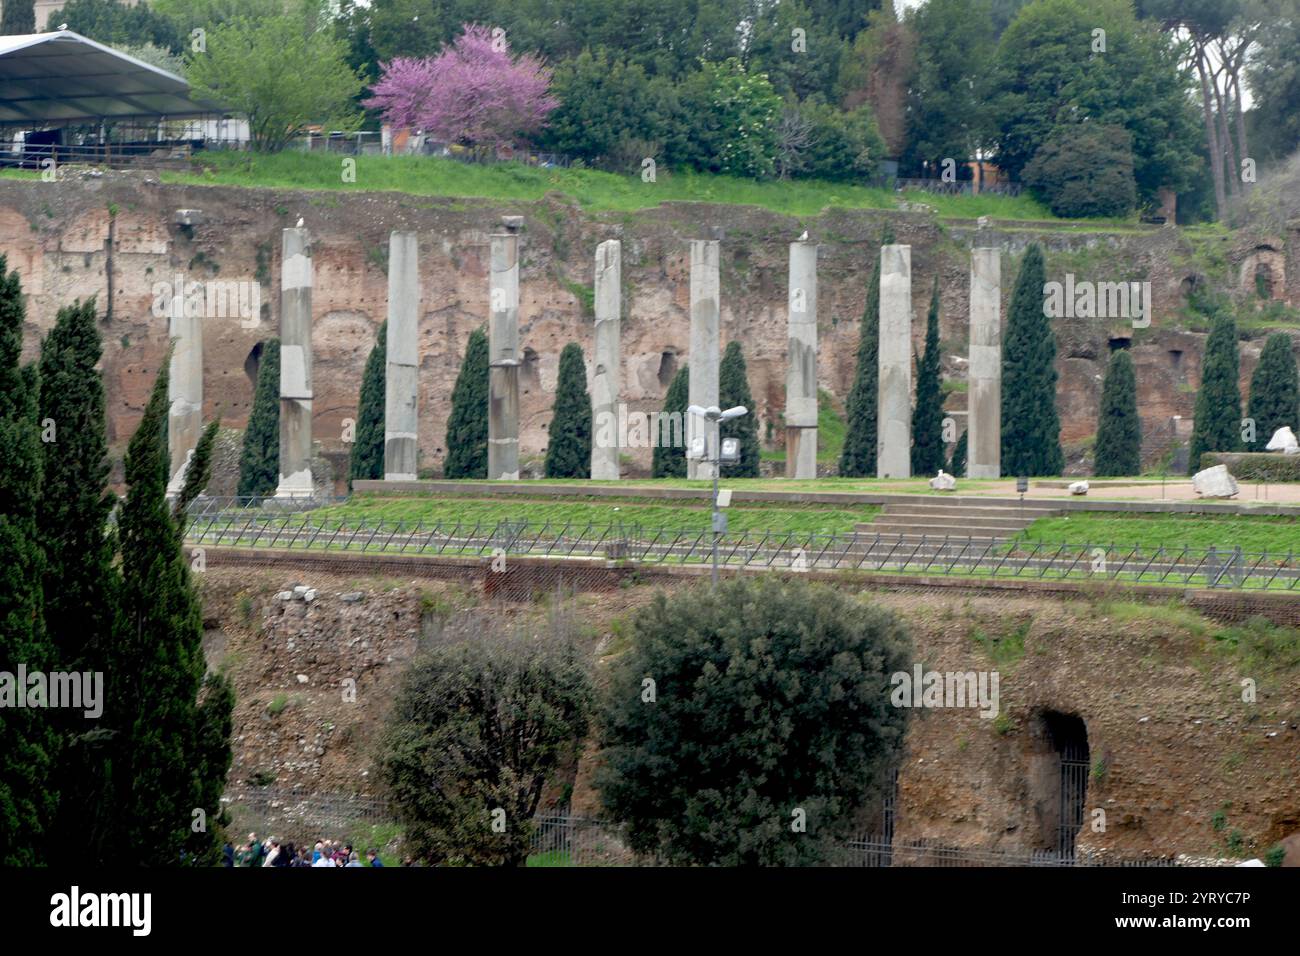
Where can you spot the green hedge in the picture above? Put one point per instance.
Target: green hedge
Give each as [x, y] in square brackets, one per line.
[1255, 466]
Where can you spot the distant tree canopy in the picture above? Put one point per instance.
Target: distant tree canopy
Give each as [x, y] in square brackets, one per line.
[948, 110]
[18, 18]
[115, 23]
[282, 73]
[1084, 169]
[1051, 71]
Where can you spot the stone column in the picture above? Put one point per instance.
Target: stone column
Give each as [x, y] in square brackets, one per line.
[984, 412]
[504, 355]
[801, 364]
[894, 397]
[295, 367]
[184, 386]
[706, 320]
[605, 381]
[401, 374]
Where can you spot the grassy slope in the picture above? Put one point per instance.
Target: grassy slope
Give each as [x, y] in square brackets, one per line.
[806, 519]
[593, 189]
[1249, 532]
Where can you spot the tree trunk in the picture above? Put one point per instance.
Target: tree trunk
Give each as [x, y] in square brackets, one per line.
[1232, 170]
[1212, 137]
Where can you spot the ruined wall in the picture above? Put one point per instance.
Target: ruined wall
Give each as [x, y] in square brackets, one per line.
[75, 238]
[1171, 742]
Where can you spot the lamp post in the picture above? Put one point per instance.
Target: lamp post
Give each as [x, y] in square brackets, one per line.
[728, 452]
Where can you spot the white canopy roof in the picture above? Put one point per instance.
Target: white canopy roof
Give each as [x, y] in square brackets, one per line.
[49, 79]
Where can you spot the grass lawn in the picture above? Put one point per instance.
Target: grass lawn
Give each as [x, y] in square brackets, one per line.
[1257, 533]
[549, 858]
[592, 189]
[600, 513]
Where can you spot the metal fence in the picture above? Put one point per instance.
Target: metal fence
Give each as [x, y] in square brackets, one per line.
[580, 841]
[370, 143]
[876, 852]
[959, 187]
[298, 525]
[297, 815]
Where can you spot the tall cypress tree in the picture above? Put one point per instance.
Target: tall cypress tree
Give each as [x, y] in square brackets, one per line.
[199, 472]
[733, 390]
[75, 502]
[368, 449]
[568, 449]
[858, 457]
[27, 739]
[669, 457]
[81, 581]
[259, 462]
[957, 464]
[1119, 431]
[1218, 404]
[1274, 390]
[1031, 427]
[467, 426]
[927, 422]
[166, 761]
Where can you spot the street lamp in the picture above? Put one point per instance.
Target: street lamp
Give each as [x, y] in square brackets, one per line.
[726, 450]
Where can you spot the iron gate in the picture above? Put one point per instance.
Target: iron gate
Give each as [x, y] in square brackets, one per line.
[1074, 790]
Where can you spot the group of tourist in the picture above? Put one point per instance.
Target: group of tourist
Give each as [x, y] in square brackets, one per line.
[271, 852]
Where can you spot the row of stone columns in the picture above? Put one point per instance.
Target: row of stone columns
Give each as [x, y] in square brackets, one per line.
[401, 444]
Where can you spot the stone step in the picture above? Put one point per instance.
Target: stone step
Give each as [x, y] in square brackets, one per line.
[911, 507]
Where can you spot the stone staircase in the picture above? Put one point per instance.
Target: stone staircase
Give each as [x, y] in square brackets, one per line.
[929, 520]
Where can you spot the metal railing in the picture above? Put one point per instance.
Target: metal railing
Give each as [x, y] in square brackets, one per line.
[579, 841]
[290, 525]
[959, 187]
[304, 814]
[110, 155]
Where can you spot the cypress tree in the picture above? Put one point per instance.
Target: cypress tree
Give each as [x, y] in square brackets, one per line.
[27, 739]
[957, 464]
[259, 462]
[199, 472]
[368, 450]
[669, 457]
[1218, 404]
[733, 390]
[75, 502]
[1119, 431]
[467, 426]
[858, 457]
[568, 449]
[1031, 427]
[1274, 390]
[927, 422]
[81, 581]
[167, 756]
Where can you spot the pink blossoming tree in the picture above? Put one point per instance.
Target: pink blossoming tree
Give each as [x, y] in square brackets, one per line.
[473, 92]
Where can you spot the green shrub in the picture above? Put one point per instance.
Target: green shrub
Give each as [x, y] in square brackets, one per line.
[1255, 466]
[738, 707]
